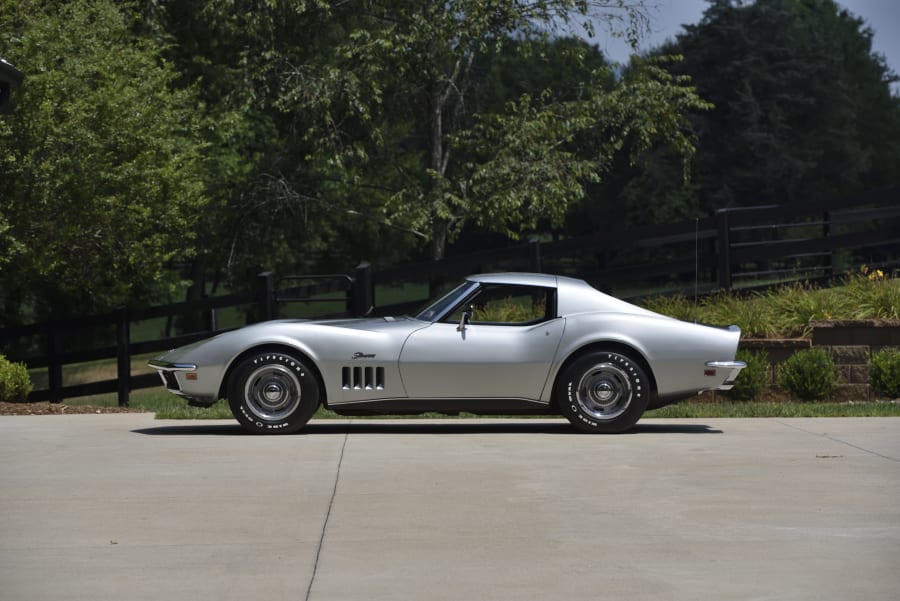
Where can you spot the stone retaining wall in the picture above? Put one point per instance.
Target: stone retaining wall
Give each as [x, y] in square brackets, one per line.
[850, 342]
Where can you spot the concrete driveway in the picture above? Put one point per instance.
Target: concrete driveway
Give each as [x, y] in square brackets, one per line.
[126, 507]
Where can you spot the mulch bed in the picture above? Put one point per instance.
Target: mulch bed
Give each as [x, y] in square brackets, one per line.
[46, 408]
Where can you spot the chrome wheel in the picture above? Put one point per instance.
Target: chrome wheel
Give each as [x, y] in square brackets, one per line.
[604, 391]
[272, 392]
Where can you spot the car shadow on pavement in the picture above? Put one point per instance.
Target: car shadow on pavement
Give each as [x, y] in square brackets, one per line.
[409, 428]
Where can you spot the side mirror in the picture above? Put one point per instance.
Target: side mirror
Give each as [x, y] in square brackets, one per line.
[465, 318]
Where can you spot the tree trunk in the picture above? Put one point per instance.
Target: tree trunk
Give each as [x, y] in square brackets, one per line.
[439, 226]
[439, 232]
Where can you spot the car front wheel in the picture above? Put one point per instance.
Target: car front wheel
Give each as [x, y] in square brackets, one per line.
[272, 393]
[603, 392]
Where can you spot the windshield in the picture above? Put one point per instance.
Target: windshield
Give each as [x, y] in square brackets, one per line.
[435, 310]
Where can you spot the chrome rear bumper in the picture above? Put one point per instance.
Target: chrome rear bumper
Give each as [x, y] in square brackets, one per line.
[734, 369]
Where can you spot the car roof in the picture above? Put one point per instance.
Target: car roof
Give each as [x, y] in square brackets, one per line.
[525, 279]
[530, 279]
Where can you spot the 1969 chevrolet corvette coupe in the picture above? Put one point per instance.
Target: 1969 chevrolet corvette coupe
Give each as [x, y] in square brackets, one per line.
[497, 344]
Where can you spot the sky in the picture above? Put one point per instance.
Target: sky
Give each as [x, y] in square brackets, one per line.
[882, 16]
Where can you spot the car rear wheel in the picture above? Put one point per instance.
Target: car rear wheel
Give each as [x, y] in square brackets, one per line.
[603, 392]
[271, 393]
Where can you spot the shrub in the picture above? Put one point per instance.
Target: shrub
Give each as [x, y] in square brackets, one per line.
[809, 375]
[753, 379]
[15, 385]
[884, 372]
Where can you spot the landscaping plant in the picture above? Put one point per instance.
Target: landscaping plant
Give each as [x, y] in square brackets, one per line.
[787, 311]
[884, 373]
[794, 306]
[753, 379]
[809, 375]
[873, 294]
[15, 385]
[754, 315]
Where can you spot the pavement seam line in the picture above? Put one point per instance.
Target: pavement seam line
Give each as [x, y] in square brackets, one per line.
[337, 477]
[843, 442]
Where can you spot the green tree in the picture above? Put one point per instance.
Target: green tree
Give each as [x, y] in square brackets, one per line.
[387, 114]
[101, 168]
[803, 107]
[533, 161]
[561, 65]
[275, 206]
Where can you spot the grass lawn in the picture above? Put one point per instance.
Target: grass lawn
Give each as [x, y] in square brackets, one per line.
[168, 406]
[779, 409]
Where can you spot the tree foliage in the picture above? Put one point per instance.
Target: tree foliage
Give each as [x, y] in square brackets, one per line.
[803, 108]
[401, 82]
[532, 161]
[277, 204]
[157, 139]
[101, 161]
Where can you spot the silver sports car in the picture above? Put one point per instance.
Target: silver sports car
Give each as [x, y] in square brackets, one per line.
[497, 344]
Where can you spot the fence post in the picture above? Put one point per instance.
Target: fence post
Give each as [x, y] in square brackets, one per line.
[54, 365]
[723, 273]
[265, 296]
[363, 290]
[826, 232]
[123, 356]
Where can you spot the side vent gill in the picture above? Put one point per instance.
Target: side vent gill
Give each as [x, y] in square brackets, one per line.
[362, 378]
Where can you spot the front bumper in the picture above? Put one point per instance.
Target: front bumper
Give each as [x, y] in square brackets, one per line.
[732, 369]
[174, 376]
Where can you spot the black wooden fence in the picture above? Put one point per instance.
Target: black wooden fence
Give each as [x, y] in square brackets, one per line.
[53, 345]
[733, 249]
[743, 248]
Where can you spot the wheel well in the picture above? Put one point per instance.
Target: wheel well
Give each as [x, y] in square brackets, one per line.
[273, 348]
[595, 347]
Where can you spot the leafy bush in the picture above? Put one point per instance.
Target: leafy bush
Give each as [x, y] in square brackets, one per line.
[809, 375]
[884, 372]
[15, 385]
[753, 379]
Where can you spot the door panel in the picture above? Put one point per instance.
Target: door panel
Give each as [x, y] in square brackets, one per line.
[483, 361]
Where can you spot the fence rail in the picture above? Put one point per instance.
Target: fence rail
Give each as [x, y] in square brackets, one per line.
[742, 248]
[260, 305]
[733, 249]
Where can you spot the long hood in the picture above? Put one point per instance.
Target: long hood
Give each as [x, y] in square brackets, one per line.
[372, 324]
[322, 340]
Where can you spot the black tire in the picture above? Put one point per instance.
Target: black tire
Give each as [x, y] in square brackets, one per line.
[273, 393]
[603, 392]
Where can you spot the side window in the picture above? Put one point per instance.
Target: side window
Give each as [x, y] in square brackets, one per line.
[507, 305]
